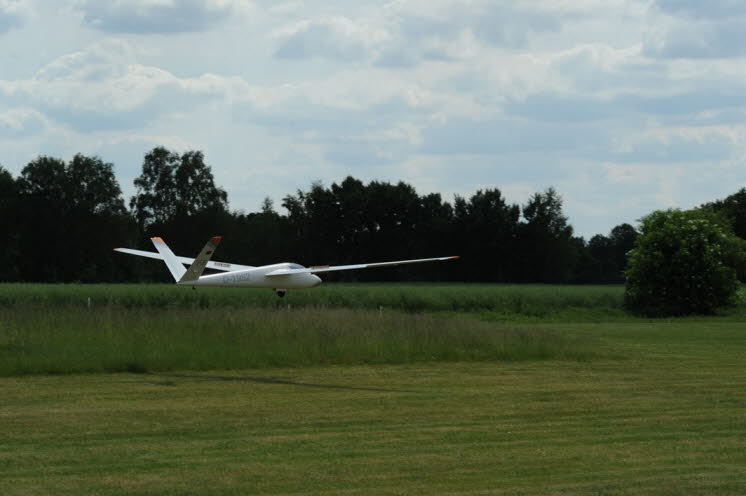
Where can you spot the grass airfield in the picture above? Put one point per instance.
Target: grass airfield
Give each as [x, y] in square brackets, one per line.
[658, 408]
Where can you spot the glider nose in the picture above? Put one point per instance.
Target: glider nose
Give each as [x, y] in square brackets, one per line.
[316, 280]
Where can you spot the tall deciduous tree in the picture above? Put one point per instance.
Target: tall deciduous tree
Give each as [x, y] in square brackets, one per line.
[74, 215]
[353, 222]
[43, 197]
[176, 198]
[314, 216]
[607, 255]
[486, 228]
[547, 250]
[733, 208]
[622, 239]
[173, 185]
[394, 212]
[8, 226]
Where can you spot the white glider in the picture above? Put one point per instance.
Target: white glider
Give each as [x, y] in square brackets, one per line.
[280, 277]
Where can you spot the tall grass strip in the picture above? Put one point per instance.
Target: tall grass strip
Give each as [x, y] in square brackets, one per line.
[68, 340]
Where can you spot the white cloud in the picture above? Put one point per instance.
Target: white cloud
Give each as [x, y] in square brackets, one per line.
[689, 29]
[709, 39]
[696, 9]
[333, 37]
[13, 14]
[18, 122]
[154, 16]
[509, 25]
[103, 86]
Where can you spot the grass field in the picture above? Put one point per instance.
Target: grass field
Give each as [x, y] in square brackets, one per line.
[520, 300]
[658, 408]
[35, 339]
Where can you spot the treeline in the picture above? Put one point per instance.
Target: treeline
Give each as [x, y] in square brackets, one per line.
[61, 219]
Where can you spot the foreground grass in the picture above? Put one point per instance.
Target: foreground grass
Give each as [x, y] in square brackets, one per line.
[37, 339]
[665, 416]
[522, 300]
[659, 410]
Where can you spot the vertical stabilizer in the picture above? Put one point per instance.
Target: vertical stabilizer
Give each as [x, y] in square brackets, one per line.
[173, 264]
[195, 270]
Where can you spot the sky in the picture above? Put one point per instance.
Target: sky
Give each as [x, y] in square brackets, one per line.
[623, 106]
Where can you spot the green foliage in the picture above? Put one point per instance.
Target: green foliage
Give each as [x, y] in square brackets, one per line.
[72, 213]
[684, 262]
[353, 221]
[79, 206]
[487, 217]
[9, 251]
[607, 256]
[175, 186]
[176, 198]
[734, 209]
[545, 241]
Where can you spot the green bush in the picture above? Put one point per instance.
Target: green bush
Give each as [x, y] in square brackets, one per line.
[684, 262]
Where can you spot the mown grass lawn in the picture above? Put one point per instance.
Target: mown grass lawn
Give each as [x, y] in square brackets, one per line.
[662, 411]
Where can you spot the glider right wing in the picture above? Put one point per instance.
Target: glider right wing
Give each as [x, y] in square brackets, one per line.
[333, 268]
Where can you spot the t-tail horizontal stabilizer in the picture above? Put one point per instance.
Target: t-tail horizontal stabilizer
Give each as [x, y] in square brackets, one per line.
[198, 267]
[221, 266]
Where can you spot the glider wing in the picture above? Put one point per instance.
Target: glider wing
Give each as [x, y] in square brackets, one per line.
[327, 268]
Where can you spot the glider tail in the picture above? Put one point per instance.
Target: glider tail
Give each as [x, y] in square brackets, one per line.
[198, 267]
[174, 266]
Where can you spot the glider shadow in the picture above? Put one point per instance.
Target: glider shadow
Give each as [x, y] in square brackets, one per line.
[269, 380]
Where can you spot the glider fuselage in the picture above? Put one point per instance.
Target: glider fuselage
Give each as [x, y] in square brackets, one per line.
[256, 278]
